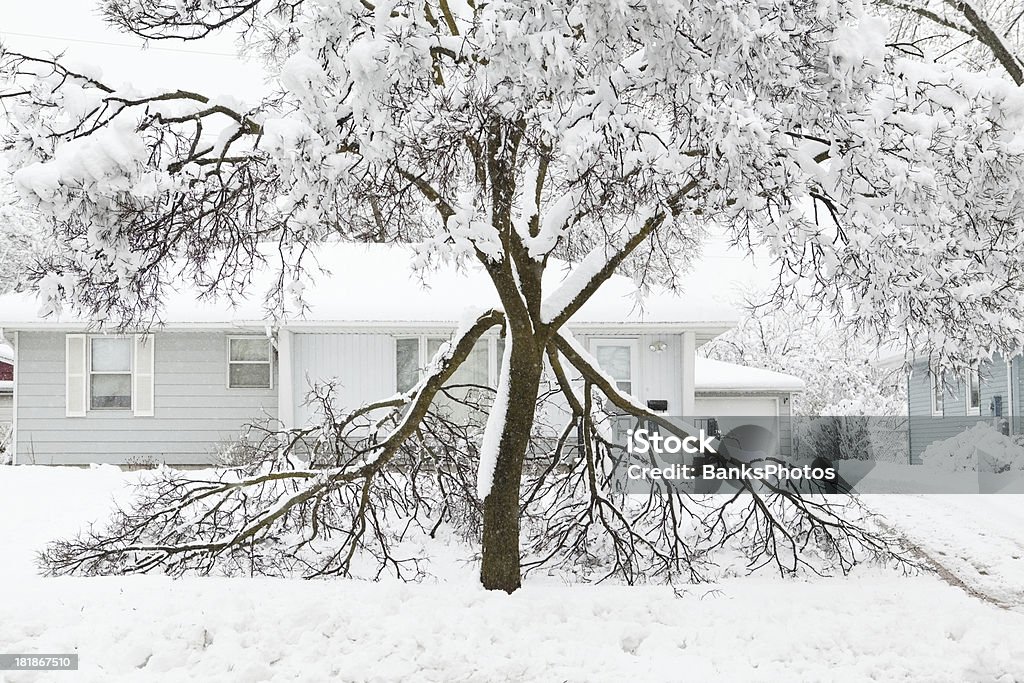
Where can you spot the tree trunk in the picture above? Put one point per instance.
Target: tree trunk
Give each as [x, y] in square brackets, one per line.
[499, 569]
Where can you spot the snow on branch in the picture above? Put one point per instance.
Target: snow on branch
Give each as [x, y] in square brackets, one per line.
[155, 20]
[596, 267]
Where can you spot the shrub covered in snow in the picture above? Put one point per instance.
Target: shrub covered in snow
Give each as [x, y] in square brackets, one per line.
[981, 448]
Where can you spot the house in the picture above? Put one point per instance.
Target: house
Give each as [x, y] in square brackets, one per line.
[6, 385]
[190, 385]
[941, 405]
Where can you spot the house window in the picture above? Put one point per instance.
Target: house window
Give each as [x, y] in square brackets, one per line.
[474, 370]
[618, 358]
[407, 363]
[414, 353]
[938, 394]
[249, 363]
[973, 382]
[110, 373]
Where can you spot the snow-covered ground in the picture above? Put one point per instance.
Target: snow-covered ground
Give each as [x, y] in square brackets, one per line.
[878, 625]
[979, 538]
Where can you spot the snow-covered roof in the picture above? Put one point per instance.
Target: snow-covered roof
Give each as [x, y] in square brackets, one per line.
[6, 387]
[715, 375]
[6, 352]
[375, 283]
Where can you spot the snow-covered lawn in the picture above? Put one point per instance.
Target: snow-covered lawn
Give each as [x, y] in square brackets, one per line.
[876, 625]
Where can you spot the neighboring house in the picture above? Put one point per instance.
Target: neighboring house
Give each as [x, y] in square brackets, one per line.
[173, 395]
[942, 406]
[6, 385]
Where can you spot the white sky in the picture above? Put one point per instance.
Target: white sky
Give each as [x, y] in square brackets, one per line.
[74, 27]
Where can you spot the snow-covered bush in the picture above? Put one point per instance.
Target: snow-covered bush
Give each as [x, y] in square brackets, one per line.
[238, 453]
[982, 448]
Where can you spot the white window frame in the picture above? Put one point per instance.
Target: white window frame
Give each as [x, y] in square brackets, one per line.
[937, 391]
[973, 373]
[633, 344]
[269, 361]
[422, 341]
[89, 373]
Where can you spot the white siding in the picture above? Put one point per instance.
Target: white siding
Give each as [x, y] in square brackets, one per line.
[722, 407]
[194, 411]
[660, 372]
[737, 406]
[6, 409]
[362, 367]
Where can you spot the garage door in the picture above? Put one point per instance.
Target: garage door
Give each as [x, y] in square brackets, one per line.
[733, 413]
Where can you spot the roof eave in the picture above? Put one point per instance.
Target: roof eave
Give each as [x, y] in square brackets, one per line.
[702, 327]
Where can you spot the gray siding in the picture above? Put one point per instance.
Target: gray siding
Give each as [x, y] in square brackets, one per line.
[926, 428]
[194, 409]
[1017, 383]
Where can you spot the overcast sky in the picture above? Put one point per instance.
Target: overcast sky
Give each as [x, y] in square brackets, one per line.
[75, 28]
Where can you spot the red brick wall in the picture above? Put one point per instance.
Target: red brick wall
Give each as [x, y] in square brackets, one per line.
[6, 372]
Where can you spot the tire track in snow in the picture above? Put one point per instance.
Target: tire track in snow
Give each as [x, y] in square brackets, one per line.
[947, 574]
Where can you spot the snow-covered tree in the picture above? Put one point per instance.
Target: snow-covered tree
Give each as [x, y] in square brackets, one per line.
[521, 135]
[20, 237]
[841, 372]
[980, 35]
[851, 406]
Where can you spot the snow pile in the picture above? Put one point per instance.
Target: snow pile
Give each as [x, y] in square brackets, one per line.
[875, 477]
[153, 629]
[982, 448]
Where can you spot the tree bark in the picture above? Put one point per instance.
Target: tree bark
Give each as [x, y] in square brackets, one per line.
[499, 568]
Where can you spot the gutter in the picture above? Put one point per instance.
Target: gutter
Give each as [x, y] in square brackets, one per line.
[704, 327]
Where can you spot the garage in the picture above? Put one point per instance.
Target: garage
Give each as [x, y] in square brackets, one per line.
[740, 406]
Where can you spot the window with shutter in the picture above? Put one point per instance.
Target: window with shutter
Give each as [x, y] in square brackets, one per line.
[75, 349]
[143, 376]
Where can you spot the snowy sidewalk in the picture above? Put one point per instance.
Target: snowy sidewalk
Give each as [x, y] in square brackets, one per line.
[978, 538]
